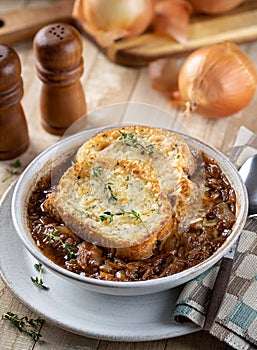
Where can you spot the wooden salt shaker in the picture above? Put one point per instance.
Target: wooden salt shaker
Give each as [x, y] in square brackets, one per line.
[58, 50]
[14, 138]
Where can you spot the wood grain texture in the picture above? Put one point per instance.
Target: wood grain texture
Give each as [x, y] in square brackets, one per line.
[106, 83]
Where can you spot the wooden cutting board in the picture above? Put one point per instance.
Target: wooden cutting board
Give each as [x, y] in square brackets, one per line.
[239, 25]
[23, 24]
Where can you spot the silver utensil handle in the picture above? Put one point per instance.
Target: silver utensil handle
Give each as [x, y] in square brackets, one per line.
[218, 291]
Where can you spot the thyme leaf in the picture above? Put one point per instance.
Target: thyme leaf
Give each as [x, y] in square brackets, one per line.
[16, 164]
[108, 189]
[38, 281]
[137, 216]
[24, 324]
[12, 170]
[70, 250]
[107, 215]
[97, 171]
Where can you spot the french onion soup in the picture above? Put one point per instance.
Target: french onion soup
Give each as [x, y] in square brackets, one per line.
[135, 203]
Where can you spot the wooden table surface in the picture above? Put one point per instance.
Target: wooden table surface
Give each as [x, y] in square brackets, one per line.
[105, 83]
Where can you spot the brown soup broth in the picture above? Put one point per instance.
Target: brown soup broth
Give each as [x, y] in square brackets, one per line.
[175, 254]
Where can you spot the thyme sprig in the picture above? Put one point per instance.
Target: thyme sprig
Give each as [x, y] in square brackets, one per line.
[97, 172]
[38, 281]
[109, 216]
[25, 324]
[54, 237]
[12, 170]
[131, 140]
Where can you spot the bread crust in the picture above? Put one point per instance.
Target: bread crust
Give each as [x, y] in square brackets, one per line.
[50, 208]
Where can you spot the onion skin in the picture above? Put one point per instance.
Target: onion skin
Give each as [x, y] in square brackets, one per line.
[217, 81]
[172, 17]
[109, 20]
[215, 6]
[164, 75]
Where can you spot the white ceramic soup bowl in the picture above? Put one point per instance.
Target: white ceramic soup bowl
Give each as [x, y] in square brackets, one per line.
[64, 149]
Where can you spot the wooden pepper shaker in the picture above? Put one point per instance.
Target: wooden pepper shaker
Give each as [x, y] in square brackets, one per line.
[59, 63]
[14, 138]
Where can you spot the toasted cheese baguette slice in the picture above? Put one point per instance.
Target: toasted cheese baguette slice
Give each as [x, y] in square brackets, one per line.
[114, 204]
[139, 142]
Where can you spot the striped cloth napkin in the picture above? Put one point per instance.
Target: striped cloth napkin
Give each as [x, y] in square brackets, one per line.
[236, 321]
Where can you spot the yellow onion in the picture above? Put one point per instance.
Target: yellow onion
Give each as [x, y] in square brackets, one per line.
[215, 6]
[172, 18]
[217, 80]
[109, 20]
